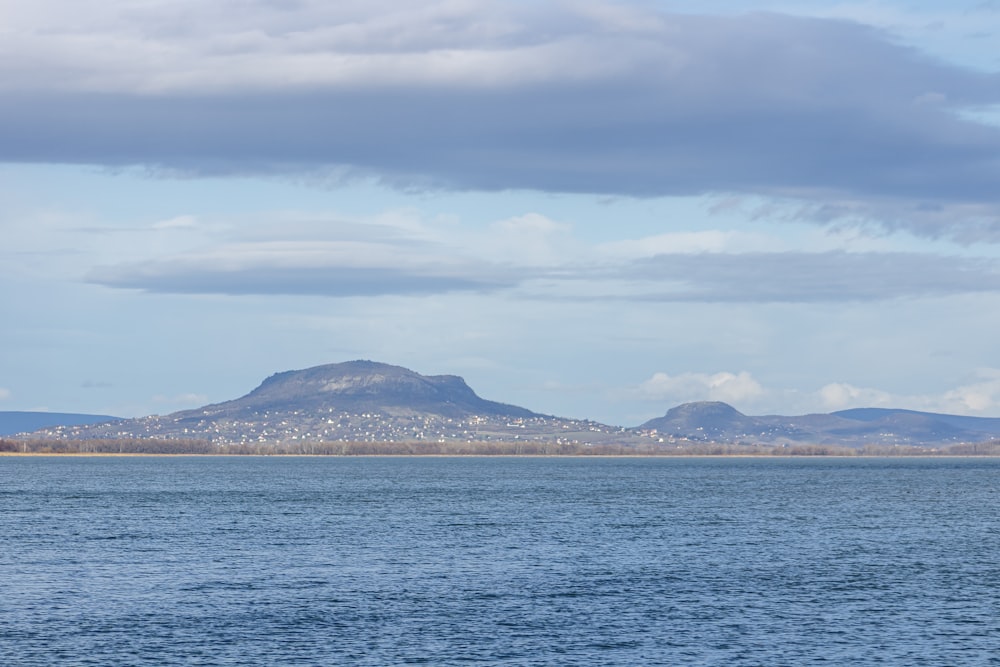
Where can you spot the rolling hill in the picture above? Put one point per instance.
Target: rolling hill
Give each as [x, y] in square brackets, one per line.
[712, 421]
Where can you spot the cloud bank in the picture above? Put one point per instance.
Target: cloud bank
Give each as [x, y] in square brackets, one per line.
[532, 256]
[979, 396]
[832, 276]
[480, 95]
[738, 388]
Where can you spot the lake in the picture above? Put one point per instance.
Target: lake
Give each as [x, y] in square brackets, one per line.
[499, 561]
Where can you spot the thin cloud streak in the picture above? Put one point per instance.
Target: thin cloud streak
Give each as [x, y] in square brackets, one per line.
[835, 276]
[543, 269]
[344, 269]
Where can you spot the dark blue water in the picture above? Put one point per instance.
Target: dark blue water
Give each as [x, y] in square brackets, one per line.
[393, 561]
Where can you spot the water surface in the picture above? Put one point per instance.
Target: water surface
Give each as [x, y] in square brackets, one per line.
[499, 561]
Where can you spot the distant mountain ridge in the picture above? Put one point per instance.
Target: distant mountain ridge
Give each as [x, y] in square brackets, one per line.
[12, 421]
[990, 424]
[369, 401]
[714, 421]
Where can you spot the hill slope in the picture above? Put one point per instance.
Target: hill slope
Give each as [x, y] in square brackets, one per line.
[354, 401]
[367, 401]
[875, 426]
[12, 422]
[364, 386]
[705, 420]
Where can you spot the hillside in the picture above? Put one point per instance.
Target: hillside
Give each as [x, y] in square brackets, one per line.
[363, 386]
[719, 422]
[354, 401]
[12, 422]
[368, 401]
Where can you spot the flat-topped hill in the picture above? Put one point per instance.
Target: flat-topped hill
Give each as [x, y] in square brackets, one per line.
[364, 387]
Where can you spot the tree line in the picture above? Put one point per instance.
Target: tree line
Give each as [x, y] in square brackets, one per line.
[455, 448]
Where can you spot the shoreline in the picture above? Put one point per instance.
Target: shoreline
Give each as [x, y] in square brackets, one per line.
[644, 455]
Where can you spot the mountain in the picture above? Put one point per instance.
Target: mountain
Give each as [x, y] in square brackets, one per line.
[354, 401]
[363, 386]
[368, 401]
[12, 422]
[706, 420]
[989, 425]
[719, 422]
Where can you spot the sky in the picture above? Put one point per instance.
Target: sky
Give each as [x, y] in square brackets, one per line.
[591, 209]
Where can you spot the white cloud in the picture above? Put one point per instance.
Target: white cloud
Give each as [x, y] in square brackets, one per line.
[4, 394]
[179, 222]
[186, 400]
[840, 396]
[736, 388]
[405, 252]
[531, 239]
[711, 240]
[980, 396]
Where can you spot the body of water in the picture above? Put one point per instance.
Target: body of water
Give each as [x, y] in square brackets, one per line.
[499, 561]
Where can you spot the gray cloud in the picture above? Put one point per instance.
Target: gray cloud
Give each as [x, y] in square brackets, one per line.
[318, 256]
[827, 112]
[811, 277]
[333, 281]
[759, 277]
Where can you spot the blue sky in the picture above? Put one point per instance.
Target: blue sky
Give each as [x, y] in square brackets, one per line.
[591, 209]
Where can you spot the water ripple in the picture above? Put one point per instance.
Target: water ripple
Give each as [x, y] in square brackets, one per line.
[203, 561]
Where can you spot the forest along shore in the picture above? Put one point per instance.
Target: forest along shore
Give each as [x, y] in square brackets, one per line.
[160, 447]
